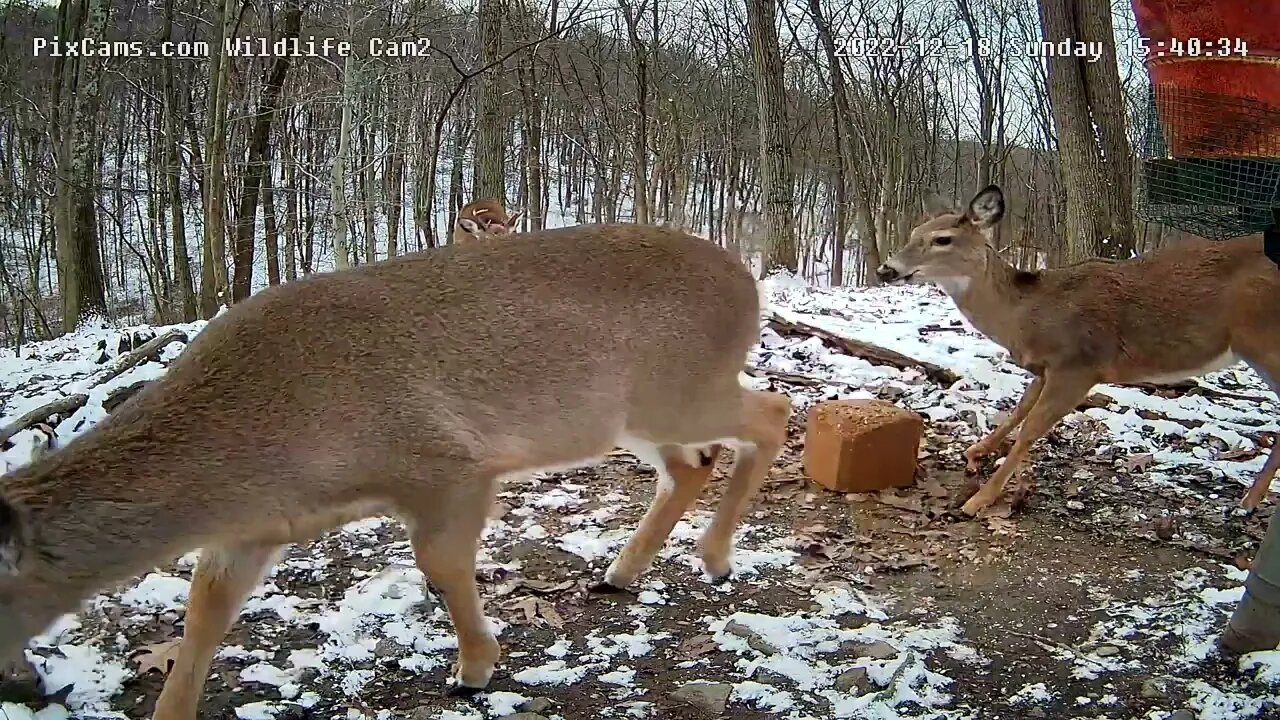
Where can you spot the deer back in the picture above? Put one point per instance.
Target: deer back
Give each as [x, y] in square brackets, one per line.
[339, 387]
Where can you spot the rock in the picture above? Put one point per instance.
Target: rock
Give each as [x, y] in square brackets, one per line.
[1036, 712]
[878, 650]
[854, 446]
[1153, 688]
[1075, 505]
[523, 716]
[1182, 715]
[1107, 651]
[707, 697]
[754, 641]
[536, 705]
[290, 711]
[854, 682]
[387, 647]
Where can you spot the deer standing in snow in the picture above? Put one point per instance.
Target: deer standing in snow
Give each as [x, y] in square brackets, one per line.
[1168, 315]
[409, 387]
[483, 218]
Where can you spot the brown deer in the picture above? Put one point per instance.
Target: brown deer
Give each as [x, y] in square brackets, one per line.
[410, 387]
[483, 218]
[1168, 315]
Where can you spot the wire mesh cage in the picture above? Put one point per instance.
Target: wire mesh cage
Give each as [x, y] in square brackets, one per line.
[1210, 163]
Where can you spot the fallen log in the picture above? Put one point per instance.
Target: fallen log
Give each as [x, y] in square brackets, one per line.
[1191, 387]
[864, 350]
[148, 349]
[61, 406]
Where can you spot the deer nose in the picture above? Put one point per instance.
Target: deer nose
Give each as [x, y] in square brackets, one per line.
[886, 273]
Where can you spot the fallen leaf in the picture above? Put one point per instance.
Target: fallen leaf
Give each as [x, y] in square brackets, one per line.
[159, 656]
[933, 488]
[892, 499]
[698, 646]
[542, 587]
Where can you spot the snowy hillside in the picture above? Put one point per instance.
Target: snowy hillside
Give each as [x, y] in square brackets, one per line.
[1078, 606]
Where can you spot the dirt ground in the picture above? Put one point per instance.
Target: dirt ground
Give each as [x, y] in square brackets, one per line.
[1027, 584]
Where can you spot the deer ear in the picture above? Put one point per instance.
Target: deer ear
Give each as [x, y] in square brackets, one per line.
[511, 221]
[10, 539]
[986, 208]
[469, 225]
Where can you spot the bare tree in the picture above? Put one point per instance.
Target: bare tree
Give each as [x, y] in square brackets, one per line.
[776, 181]
[1088, 115]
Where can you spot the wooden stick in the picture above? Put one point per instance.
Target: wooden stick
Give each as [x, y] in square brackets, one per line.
[865, 350]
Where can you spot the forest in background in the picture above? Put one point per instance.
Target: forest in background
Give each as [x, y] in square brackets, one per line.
[140, 189]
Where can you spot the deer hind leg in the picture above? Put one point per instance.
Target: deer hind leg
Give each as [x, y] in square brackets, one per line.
[444, 531]
[223, 578]
[682, 474]
[1062, 392]
[756, 425]
[761, 435]
[993, 440]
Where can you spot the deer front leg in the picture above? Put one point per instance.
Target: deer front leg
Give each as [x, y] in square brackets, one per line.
[224, 577]
[993, 440]
[445, 541]
[1062, 392]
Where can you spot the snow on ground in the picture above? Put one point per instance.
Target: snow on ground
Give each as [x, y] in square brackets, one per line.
[338, 625]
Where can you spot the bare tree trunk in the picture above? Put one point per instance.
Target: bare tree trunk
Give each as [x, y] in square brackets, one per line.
[535, 212]
[213, 270]
[338, 178]
[272, 234]
[1097, 190]
[776, 182]
[491, 137]
[173, 179]
[291, 230]
[257, 164]
[640, 149]
[394, 178]
[85, 295]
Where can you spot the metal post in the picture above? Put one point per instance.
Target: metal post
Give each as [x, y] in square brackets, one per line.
[1255, 625]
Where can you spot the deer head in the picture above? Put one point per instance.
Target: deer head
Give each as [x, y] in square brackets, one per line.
[484, 218]
[950, 245]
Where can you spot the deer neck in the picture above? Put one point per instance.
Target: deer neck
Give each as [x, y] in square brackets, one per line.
[95, 510]
[986, 298]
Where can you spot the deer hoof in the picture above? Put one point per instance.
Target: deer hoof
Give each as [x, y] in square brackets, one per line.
[462, 691]
[604, 587]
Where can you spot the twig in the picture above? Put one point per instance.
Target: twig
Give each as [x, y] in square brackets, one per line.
[792, 378]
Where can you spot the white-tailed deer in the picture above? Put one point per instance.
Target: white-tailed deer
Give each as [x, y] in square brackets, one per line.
[483, 218]
[1168, 315]
[410, 387]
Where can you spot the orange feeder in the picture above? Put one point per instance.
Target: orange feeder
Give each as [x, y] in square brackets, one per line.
[1215, 71]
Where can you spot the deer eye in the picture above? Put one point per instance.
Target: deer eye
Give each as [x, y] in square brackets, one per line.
[942, 240]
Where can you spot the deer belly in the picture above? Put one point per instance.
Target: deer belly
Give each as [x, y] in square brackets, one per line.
[1170, 375]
